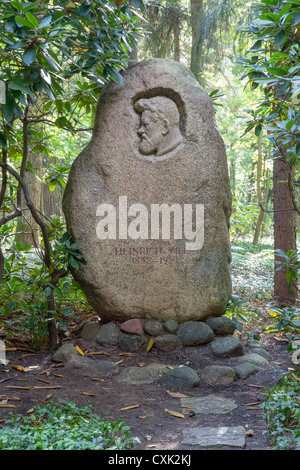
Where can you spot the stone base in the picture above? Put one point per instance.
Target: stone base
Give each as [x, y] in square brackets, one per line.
[134, 335]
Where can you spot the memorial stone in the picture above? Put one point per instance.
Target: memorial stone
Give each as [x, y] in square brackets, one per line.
[148, 200]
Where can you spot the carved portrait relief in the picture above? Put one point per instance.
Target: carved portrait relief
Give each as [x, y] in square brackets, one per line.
[159, 131]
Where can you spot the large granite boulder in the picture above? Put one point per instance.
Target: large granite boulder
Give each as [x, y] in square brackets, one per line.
[148, 200]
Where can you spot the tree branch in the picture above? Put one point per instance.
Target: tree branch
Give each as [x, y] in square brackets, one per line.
[4, 174]
[33, 211]
[17, 213]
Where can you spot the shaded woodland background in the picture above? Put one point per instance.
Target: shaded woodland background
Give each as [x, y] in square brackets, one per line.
[56, 56]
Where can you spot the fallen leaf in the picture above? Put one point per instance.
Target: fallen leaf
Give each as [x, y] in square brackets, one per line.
[174, 413]
[129, 407]
[89, 394]
[273, 314]
[6, 406]
[48, 397]
[47, 371]
[22, 369]
[142, 417]
[98, 353]
[31, 410]
[26, 355]
[5, 380]
[44, 381]
[127, 354]
[98, 380]
[176, 394]
[59, 375]
[281, 340]
[249, 433]
[150, 344]
[79, 351]
[149, 438]
[119, 362]
[46, 387]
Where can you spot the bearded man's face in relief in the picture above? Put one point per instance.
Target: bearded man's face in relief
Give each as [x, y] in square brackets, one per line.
[151, 132]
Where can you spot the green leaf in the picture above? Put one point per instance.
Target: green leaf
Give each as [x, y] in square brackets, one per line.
[276, 71]
[32, 19]
[50, 60]
[256, 46]
[3, 141]
[23, 21]
[31, 5]
[8, 109]
[17, 5]
[66, 310]
[258, 130]
[19, 85]
[289, 125]
[48, 291]
[45, 21]
[279, 38]
[73, 263]
[260, 22]
[115, 75]
[52, 185]
[29, 56]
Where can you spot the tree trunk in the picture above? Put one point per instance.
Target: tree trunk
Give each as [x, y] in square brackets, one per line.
[196, 8]
[265, 204]
[176, 30]
[284, 229]
[51, 201]
[258, 190]
[27, 228]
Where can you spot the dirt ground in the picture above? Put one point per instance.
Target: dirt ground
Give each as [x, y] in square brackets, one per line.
[148, 420]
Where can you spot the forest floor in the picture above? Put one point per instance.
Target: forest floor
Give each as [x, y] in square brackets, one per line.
[32, 378]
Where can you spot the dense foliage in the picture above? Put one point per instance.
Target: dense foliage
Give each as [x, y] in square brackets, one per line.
[61, 425]
[56, 57]
[274, 66]
[282, 412]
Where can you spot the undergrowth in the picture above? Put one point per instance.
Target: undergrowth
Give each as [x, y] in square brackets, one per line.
[62, 425]
[282, 413]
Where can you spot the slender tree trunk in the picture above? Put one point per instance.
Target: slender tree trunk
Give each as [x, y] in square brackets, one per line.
[27, 228]
[265, 204]
[284, 229]
[51, 201]
[232, 175]
[196, 8]
[176, 30]
[258, 190]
